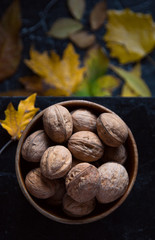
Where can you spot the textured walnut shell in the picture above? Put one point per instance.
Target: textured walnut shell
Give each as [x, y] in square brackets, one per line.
[82, 182]
[38, 185]
[60, 191]
[35, 145]
[76, 209]
[58, 123]
[115, 154]
[84, 120]
[112, 129]
[56, 162]
[114, 182]
[86, 146]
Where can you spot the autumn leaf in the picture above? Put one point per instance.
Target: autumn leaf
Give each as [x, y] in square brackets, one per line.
[127, 91]
[10, 42]
[105, 85]
[76, 8]
[135, 82]
[82, 39]
[96, 66]
[63, 27]
[60, 77]
[98, 15]
[17, 120]
[130, 36]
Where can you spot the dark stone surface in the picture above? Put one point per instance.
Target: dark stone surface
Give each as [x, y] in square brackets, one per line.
[38, 12]
[133, 220]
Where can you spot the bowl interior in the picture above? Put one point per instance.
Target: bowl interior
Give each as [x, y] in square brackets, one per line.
[55, 212]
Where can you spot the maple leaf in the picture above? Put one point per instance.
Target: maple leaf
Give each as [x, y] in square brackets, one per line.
[130, 36]
[10, 42]
[61, 77]
[17, 120]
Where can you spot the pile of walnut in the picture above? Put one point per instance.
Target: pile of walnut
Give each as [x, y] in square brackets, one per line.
[67, 150]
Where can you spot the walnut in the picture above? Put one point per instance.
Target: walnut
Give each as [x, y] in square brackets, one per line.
[56, 162]
[60, 190]
[86, 146]
[114, 182]
[82, 182]
[76, 209]
[115, 154]
[58, 123]
[84, 120]
[112, 129]
[35, 145]
[38, 185]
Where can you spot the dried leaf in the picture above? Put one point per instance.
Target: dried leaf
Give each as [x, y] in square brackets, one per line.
[15, 93]
[83, 39]
[98, 15]
[105, 85]
[32, 83]
[10, 42]
[130, 36]
[63, 27]
[16, 121]
[127, 91]
[76, 8]
[60, 77]
[135, 82]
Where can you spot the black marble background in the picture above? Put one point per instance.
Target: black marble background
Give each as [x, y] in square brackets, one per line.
[134, 220]
[38, 16]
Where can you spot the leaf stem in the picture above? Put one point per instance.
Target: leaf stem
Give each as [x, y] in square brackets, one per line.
[151, 60]
[5, 146]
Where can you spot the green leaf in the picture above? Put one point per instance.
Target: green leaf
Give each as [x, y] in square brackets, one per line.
[63, 27]
[83, 90]
[76, 8]
[96, 64]
[133, 81]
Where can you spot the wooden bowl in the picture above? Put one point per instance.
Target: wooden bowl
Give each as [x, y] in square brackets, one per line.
[55, 212]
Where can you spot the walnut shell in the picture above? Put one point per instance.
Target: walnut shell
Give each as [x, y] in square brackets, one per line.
[60, 191]
[58, 123]
[82, 182]
[35, 145]
[112, 129]
[115, 154]
[76, 209]
[56, 162]
[114, 182]
[86, 146]
[38, 185]
[84, 120]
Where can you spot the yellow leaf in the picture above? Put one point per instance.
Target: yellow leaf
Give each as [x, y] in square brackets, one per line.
[130, 35]
[135, 82]
[17, 120]
[105, 85]
[61, 76]
[76, 8]
[127, 91]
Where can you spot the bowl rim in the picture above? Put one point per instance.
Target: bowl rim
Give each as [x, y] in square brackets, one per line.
[43, 211]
